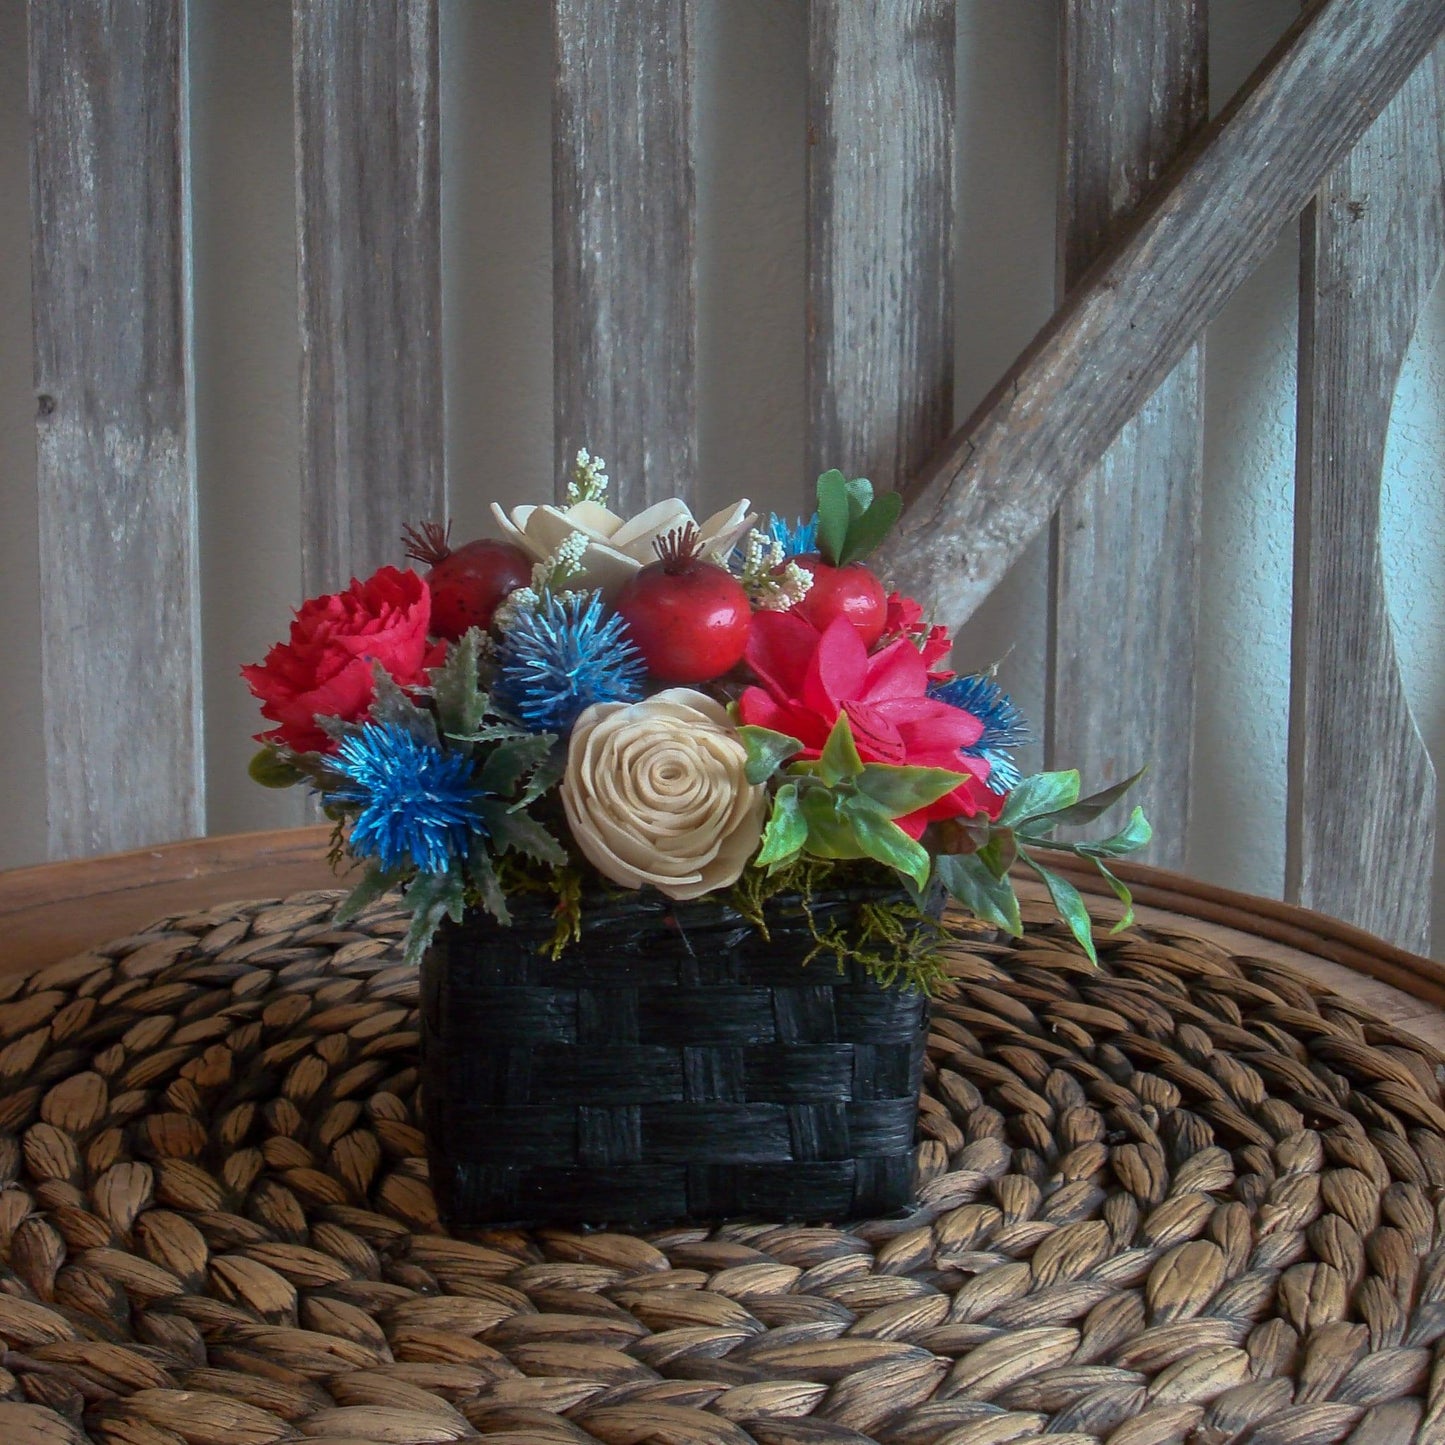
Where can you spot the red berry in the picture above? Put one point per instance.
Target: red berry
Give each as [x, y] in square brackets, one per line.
[688, 618]
[467, 584]
[852, 592]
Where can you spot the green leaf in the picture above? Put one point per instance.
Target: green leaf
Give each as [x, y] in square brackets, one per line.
[880, 838]
[860, 495]
[506, 763]
[272, 770]
[766, 751]
[839, 759]
[1042, 795]
[1135, 834]
[1070, 905]
[828, 835]
[834, 514]
[991, 900]
[1121, 892]
[483, 877]
[374, 883]
[544, 777]
[786, 832]
[431, 897]
[497, 731]
[460, 702]
[902, 789]
[1087, 809]
[867, 531]
[392, 705]
[517, 832]
[999, 853]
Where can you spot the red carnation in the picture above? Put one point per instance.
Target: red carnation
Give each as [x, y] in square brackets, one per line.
[809, 677]
[325, 670]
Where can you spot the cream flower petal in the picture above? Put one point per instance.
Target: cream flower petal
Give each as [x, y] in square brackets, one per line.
[636, 537]
[512, 526]
[723, 530]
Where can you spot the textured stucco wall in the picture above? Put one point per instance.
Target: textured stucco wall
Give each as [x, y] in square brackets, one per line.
[496, 64]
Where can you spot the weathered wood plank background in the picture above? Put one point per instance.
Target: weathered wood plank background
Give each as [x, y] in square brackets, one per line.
[1126, 538]
[880, 235]
[1362, 787]
[119, 600]
[1163, 217]
[625, 244]
[368, 209]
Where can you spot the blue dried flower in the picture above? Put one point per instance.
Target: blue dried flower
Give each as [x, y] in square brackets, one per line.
[796, 537]
[416, 801]
[1004, 725]
[561, 656]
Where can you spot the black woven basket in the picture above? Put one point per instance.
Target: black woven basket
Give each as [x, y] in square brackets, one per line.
[674, 1065]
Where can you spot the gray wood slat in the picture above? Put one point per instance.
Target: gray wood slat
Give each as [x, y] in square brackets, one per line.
[1125, 539]
[624, 248]
[880, 235]
[1126, 326]
[368, 202]
[120, 638]
[1362, 788]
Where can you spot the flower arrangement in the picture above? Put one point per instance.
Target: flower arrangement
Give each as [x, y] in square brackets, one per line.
[698, 708]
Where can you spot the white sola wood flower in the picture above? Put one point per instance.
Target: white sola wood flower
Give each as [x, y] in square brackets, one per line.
[616, 548]
[656, 794]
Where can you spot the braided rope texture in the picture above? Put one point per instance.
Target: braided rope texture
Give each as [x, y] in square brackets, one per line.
[1187, 1197]
[675, 1064]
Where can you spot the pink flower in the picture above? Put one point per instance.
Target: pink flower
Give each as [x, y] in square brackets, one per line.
[905, 619]
[808, 678]
[325, 670]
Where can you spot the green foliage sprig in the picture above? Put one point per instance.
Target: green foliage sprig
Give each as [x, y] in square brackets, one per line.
[979, 878]
[838, 807]
[514, 768]
[851, 520]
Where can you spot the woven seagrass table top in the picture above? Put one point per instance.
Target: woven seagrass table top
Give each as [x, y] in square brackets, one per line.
[1190, 1196]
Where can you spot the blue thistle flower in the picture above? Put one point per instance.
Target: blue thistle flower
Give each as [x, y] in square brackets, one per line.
[416, 801]
[794, 537]
[560, 657]
[1004, 726]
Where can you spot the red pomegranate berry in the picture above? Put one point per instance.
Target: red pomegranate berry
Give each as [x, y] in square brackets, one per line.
[688, 618]
[466, 583]
[851, 591]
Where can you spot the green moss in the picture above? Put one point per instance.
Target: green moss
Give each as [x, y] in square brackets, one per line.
[894, 940]
[517, 877]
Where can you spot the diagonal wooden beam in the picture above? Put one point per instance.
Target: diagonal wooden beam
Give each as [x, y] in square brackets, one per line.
[1000, 477]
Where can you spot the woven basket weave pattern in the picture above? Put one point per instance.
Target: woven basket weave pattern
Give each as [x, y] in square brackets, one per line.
[1183, 1197]
[676, 1064]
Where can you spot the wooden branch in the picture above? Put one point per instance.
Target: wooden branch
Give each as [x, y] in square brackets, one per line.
[1144, 303]
[1125, 539]
[1362, 787]
[120, 614]
[625, 254]
[368, 207]
[880, 235]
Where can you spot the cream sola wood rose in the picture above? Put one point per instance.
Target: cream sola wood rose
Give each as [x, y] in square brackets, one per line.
[657, 796]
